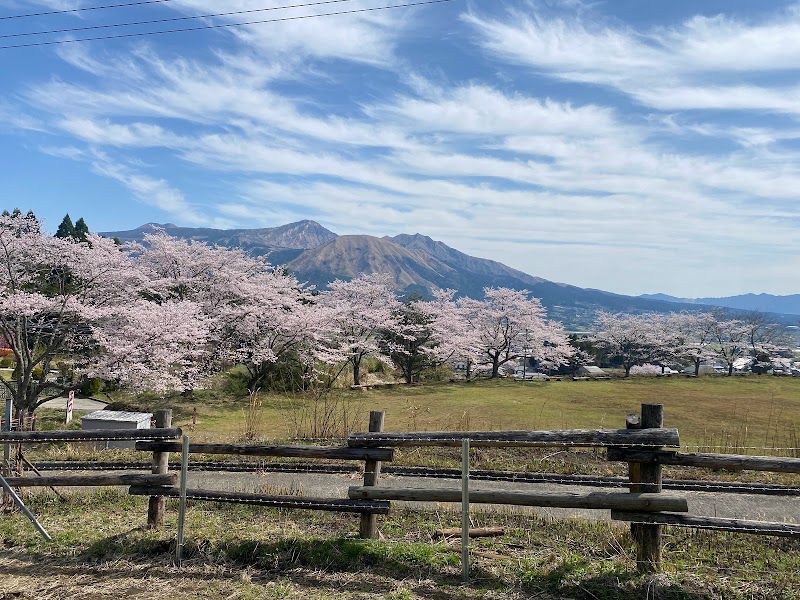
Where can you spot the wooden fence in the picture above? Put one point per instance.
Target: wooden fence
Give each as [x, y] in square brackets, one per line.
[645, 445]
[39, 437]
[641, 445]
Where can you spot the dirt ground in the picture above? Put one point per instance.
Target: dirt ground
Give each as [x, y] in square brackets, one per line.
[65, 579]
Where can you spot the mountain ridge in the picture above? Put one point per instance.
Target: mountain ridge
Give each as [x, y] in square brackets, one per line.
[417, 263]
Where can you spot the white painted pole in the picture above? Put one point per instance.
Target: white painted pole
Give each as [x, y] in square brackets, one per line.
[465, 510]
[182, 500]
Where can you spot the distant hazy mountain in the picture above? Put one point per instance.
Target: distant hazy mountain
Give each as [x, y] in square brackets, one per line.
[761, 302]
[417, 263]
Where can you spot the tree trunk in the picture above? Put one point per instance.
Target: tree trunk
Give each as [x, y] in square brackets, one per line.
[495, 367]
[356, 371]
[697, 366]
[627, 370]
[730, 369]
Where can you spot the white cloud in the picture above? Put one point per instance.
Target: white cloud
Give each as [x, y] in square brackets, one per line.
[697, 65]
[367, 38]
[521, 177]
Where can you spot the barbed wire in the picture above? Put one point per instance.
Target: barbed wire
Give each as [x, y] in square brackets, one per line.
[729, 528]
[737, 447]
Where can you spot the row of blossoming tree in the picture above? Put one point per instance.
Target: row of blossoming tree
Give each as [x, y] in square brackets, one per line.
[686, 337]
[168, 313]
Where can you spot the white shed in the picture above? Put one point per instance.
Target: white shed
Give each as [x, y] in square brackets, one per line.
[592, 371]
[115, 419]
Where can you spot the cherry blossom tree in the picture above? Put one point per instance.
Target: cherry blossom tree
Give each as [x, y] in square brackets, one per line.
[635, 339]
[152, 346]
[54, 294]
[508, 325]
[763, 335]
[352, 317]
[410, 345]
[254, 314]
[730, 340]
[271, 320]
[695, 330]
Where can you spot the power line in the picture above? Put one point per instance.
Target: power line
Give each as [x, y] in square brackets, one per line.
[74, 10]
[221, 25]
[170, 19]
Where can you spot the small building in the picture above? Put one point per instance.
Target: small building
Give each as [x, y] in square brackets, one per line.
[590, 371]
[115, 419]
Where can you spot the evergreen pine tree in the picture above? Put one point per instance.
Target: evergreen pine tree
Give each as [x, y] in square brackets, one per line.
[81, 230]
[66, 229]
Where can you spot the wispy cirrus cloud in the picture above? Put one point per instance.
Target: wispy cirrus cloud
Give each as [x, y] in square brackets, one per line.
[696, 65]
[367, 137]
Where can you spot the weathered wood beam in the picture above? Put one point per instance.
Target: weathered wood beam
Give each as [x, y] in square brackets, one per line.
[733, 462]
[156, 506]
[329, 504]
[571, 437]
[328, 452]
[368, 524]
[593, 500]
[648, 537]
[716, 523]
[77, 435]
[94, 480]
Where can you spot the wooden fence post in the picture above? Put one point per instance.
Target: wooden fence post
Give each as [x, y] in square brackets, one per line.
[156, 505]
[368, 529]
[646, 536]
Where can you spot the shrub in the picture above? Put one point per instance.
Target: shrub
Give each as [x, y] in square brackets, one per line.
[92, 387]
[35, 374]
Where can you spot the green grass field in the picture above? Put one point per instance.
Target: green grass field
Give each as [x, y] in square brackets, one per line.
[738, 412]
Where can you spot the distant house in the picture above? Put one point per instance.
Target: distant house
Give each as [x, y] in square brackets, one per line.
[590, 371]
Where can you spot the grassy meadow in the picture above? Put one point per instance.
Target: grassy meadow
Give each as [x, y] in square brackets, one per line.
[733, 412]
[100, 550]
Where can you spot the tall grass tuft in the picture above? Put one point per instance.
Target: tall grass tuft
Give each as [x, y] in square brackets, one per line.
[253, 417]
[323, 413]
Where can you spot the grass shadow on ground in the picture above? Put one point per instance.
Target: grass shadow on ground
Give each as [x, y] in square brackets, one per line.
[435, 566]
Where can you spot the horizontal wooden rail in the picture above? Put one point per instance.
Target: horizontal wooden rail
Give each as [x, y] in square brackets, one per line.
[94, 480]
[594, 500]
[76, 435]
[571, 437]
[716, 523]
[329, 452]
[329, 504]
[734, 462]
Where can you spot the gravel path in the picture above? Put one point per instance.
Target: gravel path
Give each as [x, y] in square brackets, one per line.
[737, 506]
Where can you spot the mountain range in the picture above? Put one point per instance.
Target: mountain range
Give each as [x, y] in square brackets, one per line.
[417, 263]
[789, 304]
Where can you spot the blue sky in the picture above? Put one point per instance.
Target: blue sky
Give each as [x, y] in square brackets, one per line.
[624, 145]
